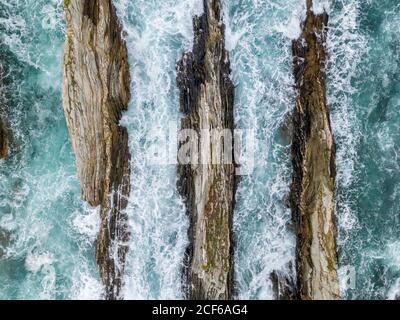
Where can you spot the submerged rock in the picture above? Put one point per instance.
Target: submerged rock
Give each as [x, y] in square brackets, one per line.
[313, 152]
[206, 99]
[95, 93]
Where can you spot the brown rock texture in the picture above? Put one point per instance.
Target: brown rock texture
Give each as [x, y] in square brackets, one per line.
[313, 152]
[95, 93]
[208, 188]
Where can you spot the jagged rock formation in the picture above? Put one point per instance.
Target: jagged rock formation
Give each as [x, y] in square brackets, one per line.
[313, 152]
[95, 93]
[206, 99]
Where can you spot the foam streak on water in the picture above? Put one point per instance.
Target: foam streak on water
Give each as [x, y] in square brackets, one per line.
[157, 33]
[346, 46]
[259, 35]
[47, 232]
[363, 94]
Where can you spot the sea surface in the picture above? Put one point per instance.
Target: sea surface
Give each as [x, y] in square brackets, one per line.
[47, 233]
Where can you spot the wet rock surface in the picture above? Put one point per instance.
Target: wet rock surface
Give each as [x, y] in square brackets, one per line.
[313, 154]
[208, 188]
[95, 93]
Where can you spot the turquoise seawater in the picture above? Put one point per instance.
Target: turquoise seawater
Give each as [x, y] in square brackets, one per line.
[47, 233]
[364, 93]
[259, 36]
[157, 34]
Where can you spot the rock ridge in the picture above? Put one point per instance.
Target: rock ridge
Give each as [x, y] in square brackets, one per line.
[96, 90]
[207, 187]
[313, 158]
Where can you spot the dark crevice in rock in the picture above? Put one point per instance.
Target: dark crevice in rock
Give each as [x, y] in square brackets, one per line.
[91, 10]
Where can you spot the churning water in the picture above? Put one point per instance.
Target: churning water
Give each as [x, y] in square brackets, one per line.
[47, 233]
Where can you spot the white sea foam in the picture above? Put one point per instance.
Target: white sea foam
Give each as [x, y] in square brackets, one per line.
[86, 287]
[262, 72]
[157, 33]
[7, 222]
[392, 254]
[42, 263]
[346, 46]
[321, 6]
[345, 275]
[20, 29]
[88, 222]
[34, 262]
[292, 28]
[39, 190]
[232, 38]
[394, 292]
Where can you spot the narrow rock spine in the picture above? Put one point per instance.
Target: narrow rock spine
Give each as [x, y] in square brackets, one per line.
[95, 93]
[206, 100]
[313, 153]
